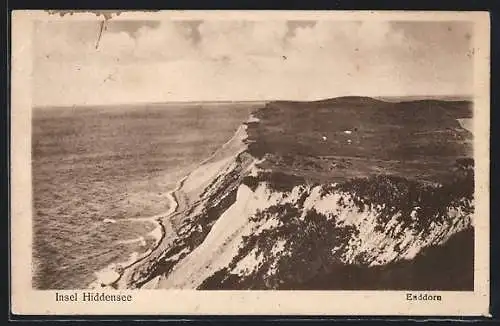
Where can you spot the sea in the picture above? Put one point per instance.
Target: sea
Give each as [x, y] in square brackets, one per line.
[100, 172]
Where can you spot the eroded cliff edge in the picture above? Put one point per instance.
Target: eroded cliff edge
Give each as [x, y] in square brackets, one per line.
[348, 193]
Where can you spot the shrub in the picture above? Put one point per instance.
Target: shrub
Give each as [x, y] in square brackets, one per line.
[280, 181]
[251, 182]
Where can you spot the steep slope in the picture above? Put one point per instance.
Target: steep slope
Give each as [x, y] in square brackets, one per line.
[312, 230]
[334, 194]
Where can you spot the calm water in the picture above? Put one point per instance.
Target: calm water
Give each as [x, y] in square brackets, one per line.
[92, 165]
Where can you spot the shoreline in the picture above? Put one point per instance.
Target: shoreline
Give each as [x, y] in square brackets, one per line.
[117, 272]
[124, 267]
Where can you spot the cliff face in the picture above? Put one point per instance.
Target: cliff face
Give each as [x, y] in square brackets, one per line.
[291, 203]
[305, 233]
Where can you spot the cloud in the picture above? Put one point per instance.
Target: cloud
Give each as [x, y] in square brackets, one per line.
[168, 41]
[241, 38]
[230, 59]
[113, 46]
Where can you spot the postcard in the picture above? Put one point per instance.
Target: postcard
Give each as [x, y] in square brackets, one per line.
[250, 163]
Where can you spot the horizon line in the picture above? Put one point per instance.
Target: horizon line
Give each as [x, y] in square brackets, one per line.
[380, 97]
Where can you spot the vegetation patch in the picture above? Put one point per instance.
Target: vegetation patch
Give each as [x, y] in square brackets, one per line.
[400, 195]
[276, 180]
[357, 136]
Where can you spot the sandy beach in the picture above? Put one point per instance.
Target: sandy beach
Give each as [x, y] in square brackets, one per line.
[188, 188]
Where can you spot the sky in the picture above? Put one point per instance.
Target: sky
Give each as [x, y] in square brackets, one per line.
[195, 60]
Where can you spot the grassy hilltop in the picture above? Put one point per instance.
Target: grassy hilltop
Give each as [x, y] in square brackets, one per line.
[341, 138]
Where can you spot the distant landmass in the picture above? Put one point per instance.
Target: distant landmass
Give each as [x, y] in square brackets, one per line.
[468, 98]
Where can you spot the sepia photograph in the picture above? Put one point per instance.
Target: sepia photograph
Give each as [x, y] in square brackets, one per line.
[225, 154]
